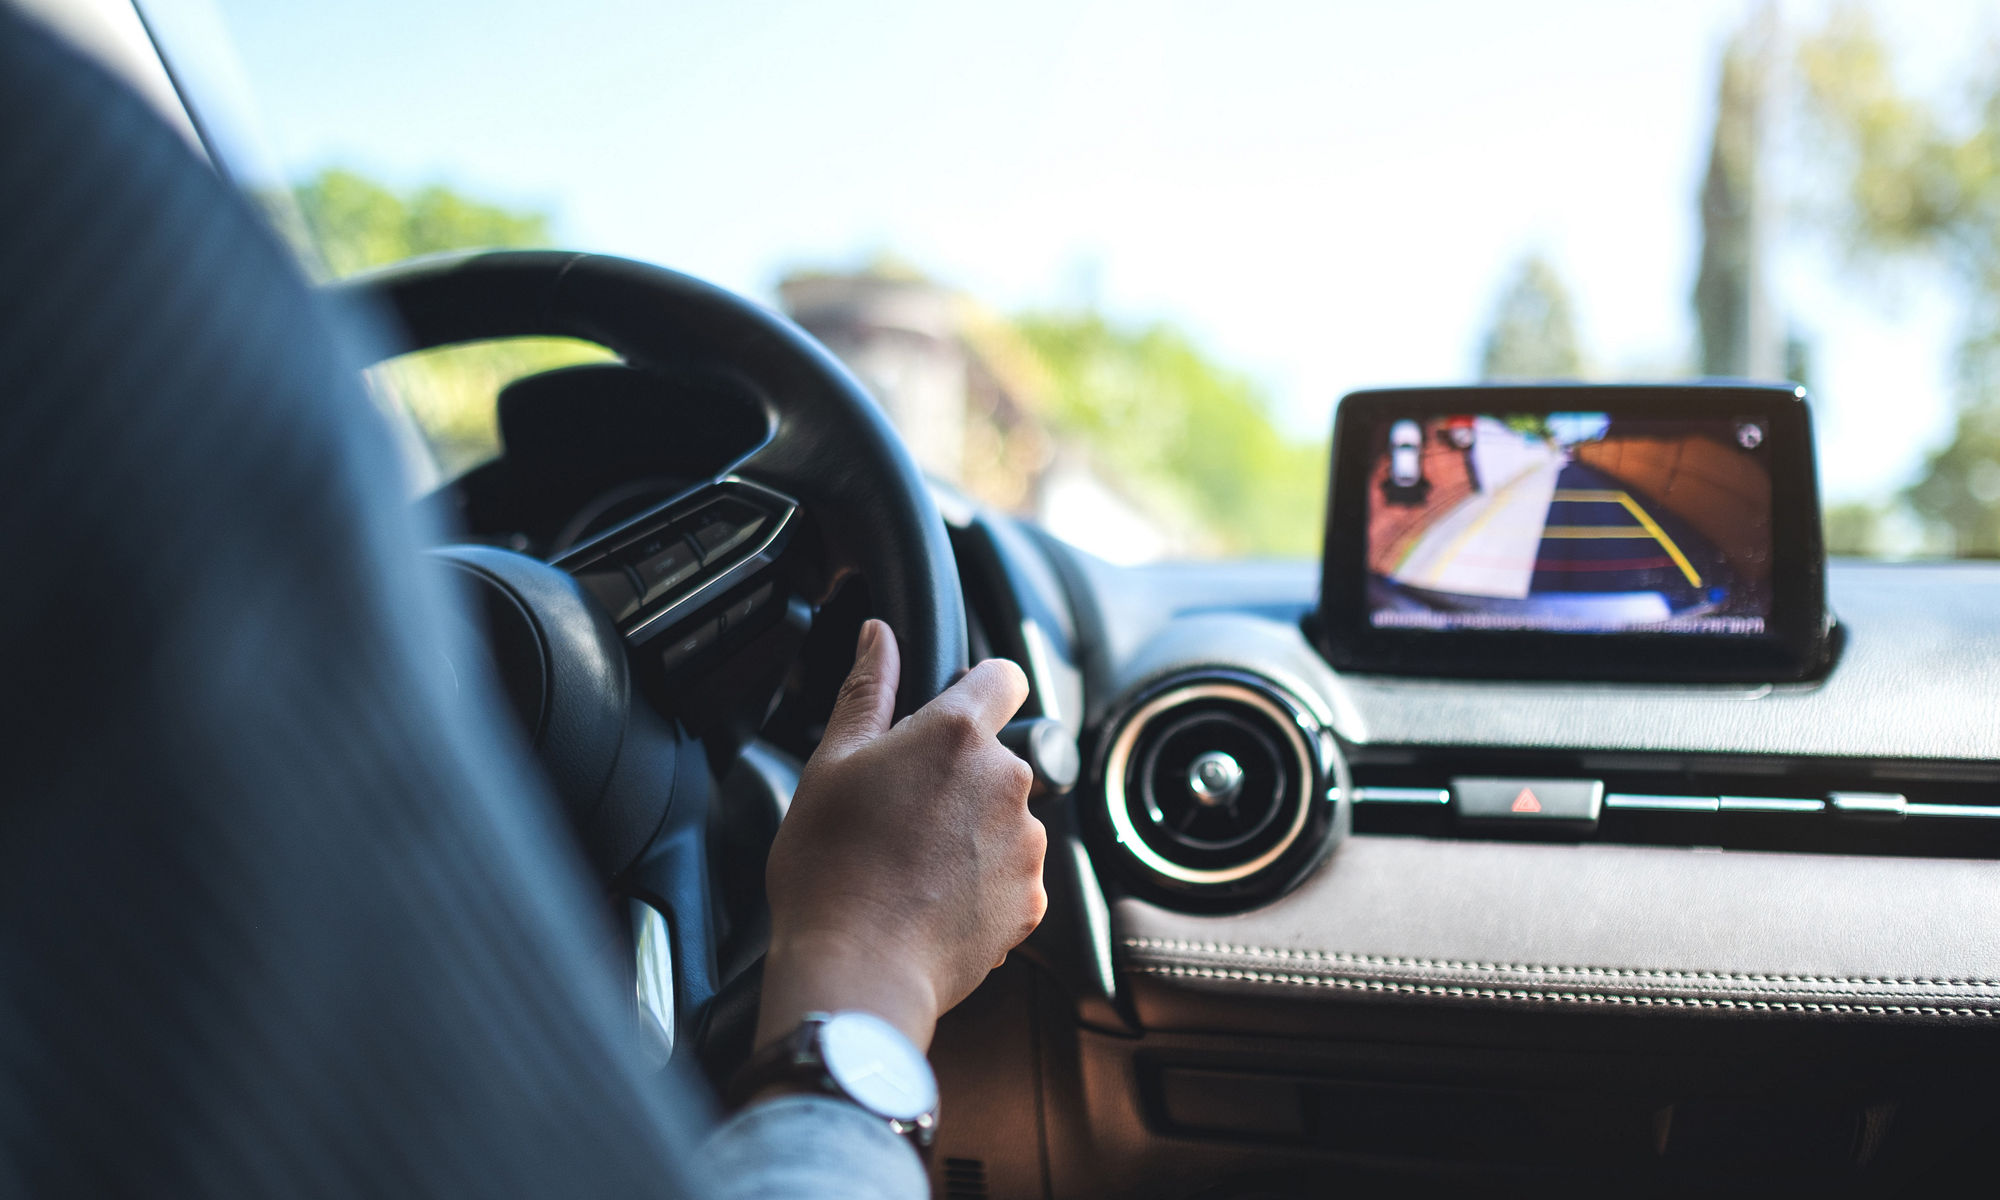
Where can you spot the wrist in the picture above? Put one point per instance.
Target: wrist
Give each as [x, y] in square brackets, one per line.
[829, 971]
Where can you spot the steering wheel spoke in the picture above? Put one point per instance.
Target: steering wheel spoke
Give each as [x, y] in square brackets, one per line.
[695, 573]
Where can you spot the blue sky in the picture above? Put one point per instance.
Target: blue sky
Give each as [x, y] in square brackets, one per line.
[1327, 194]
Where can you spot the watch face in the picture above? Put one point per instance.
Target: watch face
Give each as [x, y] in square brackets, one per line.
[877, 1066]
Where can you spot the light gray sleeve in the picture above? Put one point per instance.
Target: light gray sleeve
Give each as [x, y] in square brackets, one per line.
[817, 1146]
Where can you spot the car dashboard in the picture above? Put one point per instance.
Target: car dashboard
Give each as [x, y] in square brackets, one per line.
[1766, 956]
[1421, 930]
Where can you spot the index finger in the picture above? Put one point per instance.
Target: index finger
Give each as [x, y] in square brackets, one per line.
[988, 695]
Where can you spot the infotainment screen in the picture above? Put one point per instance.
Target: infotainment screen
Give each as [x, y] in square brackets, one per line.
[1570, 522]
[1575, 531]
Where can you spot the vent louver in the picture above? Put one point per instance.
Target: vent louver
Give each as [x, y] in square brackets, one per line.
[965, 1179]
[1218, 784]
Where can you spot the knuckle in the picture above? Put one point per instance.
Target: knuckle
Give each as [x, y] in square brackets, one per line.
[962, 728]
[1038, 907]
[1037, 838]
[1019, 776]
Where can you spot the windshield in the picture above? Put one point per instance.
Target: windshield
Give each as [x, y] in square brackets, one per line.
[1111, 265]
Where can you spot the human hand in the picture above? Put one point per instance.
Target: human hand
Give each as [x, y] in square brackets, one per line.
[908, 865]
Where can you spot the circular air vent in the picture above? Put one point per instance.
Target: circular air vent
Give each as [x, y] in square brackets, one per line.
[1216, 782]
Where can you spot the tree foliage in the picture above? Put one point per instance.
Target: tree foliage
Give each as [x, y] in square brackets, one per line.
[342, 223]
[1918, 185]
[1533, 335]
[355, 223]
[1179, 431]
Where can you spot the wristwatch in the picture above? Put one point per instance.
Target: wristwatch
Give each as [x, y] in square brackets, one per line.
[858, 1057]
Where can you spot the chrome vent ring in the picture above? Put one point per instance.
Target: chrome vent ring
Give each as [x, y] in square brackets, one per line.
[1214, 780]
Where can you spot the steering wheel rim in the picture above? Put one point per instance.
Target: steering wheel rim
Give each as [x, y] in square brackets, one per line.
[634, 787]
[829, 444]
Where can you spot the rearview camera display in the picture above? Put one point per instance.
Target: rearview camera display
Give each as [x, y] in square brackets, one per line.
[1570, 522]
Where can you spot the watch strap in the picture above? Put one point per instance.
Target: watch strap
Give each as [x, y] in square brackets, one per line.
[796, 1059]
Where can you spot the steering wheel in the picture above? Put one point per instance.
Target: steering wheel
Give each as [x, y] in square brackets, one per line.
[829, 492]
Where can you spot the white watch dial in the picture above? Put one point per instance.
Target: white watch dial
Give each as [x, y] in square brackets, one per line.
[877, 1066]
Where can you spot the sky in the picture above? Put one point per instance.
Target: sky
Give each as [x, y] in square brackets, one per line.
[1327, 195]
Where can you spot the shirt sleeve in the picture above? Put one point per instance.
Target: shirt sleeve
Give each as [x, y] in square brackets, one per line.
[815, 1146]
[284, 909]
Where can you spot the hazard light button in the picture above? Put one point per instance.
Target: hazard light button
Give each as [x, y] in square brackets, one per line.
[1550, 801]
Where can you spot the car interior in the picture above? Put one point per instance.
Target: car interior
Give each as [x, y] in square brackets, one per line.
[1571, 821]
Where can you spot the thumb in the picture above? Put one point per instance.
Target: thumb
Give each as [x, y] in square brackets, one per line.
[867, 701]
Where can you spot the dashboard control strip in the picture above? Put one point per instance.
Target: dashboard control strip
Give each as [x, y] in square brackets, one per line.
[1769, 804]
[1400, 795]
[1662, 803]
[1987, 812]
[1887, 806]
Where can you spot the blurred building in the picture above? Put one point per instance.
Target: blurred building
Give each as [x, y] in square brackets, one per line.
[966, 392]
[901, 336]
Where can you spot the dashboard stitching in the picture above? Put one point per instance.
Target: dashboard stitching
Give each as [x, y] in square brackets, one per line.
[1519, 995]
[1369, 960]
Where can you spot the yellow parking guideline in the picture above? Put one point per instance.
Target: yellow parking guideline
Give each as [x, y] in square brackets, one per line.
[1645, 519]
[1629, 532]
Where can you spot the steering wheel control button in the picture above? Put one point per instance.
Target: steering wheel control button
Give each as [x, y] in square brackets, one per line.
[690, 643]
[1572, 802]
[721, 528]
[1214, 780]
[1870, 806]
[664, 563]
[611, 586]
[737, 615]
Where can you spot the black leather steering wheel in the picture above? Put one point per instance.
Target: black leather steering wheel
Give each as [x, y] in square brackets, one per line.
[631, 783]
[829, 446]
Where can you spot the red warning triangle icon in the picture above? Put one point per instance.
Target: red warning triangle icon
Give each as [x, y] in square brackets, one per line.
[1526, 802]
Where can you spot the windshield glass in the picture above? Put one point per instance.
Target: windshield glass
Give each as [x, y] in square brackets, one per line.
[1110, 265]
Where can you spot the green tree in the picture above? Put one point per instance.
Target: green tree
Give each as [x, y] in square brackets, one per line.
[1854, 528]
[341, 223]
[1180, 430]
[352, 223]
[1920, 185]
[1533, 335]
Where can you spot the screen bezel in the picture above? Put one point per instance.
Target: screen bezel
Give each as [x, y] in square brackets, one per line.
[1797, 636]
